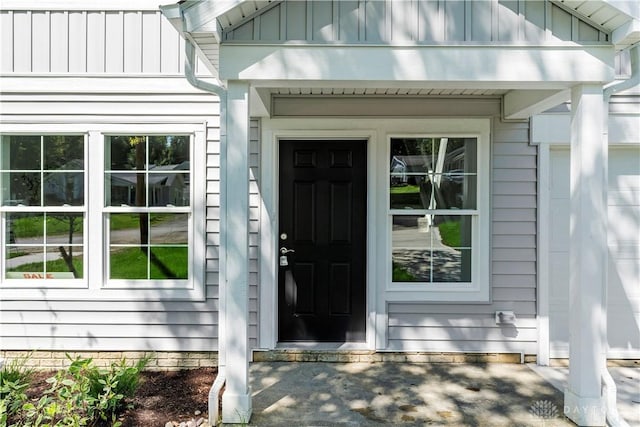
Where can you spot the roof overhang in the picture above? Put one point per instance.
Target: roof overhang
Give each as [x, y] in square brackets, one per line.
[531, 74]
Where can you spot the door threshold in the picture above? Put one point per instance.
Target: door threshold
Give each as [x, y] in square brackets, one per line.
[321, 346]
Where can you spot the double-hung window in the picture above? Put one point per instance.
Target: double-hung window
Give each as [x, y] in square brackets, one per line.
[109, 215]
[435, 216]
[147, 187]
[42, 180]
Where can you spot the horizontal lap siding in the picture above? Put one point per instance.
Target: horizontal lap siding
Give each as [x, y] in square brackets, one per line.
[213, 220]
[94, 102]
[472, 327]
[121, 325]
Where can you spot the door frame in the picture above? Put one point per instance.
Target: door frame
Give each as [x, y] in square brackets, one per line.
[273, 130]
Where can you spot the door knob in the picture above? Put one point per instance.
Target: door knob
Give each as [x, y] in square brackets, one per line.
[285, 251]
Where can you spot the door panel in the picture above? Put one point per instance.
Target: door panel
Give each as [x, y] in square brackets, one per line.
[322, 290]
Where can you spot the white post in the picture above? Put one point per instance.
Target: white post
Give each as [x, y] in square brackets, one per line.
[236, 400]
[583, 401]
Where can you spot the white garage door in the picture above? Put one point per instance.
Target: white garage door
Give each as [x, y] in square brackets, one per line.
[624, 253]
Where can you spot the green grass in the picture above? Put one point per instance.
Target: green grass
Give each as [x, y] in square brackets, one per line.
[404, 189]
[32, 226]
[15, 254]
[400, 274]
[128, 263]
[131, 263]
[450, 233]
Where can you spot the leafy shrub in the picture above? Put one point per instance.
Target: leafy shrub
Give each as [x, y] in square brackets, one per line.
[84, 395]
[15, 378]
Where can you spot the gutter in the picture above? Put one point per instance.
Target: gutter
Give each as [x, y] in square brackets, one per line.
[609, 389]
[221, 92]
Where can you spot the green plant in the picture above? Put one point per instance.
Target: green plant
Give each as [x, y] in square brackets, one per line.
[85, 395]
[15, 378]
[401, 274]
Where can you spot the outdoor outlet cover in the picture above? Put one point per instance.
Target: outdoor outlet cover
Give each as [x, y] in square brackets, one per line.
[505, 317]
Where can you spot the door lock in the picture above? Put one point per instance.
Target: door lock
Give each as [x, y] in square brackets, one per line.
[284, 260]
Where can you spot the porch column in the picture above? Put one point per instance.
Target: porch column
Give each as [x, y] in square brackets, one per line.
[236, 400]
[583, 401]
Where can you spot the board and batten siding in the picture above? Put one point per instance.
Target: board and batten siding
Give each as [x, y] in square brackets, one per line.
[365, 21]
[90, 41]
[472, 327]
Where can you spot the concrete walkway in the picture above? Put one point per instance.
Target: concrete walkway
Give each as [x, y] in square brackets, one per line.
[392, 394]
[627, 381]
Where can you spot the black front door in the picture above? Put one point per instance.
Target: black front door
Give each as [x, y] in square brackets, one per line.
[323, 217]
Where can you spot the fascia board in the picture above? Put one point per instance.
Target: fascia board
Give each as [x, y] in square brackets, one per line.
[456, 64]
[627, 34]
[173, 15]
[202, 16]
[630, 8]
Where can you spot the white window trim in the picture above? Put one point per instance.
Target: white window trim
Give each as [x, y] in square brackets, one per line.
[94, 285]
[376, 131]
[478, 290]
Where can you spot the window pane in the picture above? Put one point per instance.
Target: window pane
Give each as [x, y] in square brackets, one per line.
[169, 262]
[21, 188]
[169, 229]
[24, 259]
[64, 188]
[125, 189]
[128, 263]
[126, 153]
[411, 265]
[433, 173]
[169, 151]
[431, 248]
[65, 228]
[129, 229]
[168, 189]
[63, 152]
[26, 229]
[23, 153]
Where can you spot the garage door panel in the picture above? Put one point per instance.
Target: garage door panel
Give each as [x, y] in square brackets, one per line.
[623, 305]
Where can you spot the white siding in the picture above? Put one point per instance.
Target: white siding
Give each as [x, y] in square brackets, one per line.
[413, 20]
[117, 325]
[79, 42]
[93, 70]
[472, 327]
[623, 308]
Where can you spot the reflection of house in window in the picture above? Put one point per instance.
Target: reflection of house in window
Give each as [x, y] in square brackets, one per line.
[66, 184]
[164, 189]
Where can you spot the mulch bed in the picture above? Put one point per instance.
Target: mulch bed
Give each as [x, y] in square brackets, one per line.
[162, 396]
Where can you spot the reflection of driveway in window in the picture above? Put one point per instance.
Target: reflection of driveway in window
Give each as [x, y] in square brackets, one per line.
[168, 232]
[411, 251]
[447, 264]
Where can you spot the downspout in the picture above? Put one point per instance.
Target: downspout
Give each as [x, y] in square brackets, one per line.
[608, 385]
[221, 92]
